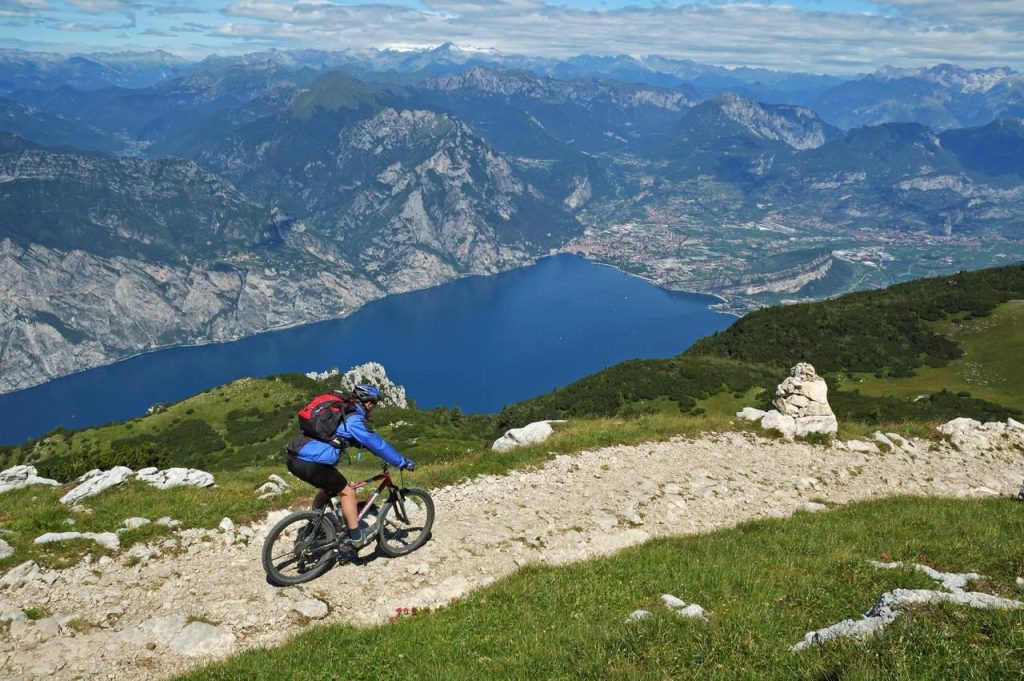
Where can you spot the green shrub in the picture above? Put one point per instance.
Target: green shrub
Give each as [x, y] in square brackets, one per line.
[134, 455]
[249, 426]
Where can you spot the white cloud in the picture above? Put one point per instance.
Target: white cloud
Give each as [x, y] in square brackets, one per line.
[22, 8]
[100, 6]
[774, 35]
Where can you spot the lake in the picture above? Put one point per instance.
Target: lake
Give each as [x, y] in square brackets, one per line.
[478, 343]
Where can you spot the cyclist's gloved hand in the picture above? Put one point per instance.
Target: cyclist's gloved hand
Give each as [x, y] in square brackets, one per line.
[408, 465]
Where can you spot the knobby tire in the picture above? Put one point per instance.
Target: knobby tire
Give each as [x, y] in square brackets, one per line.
[404, 522]
[294, 552]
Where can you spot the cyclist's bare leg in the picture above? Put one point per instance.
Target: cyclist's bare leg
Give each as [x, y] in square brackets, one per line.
[348, 507]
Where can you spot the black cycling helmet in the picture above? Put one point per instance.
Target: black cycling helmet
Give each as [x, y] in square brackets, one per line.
[367, 393]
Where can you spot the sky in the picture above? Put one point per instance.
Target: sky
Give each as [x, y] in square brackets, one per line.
[820, 36]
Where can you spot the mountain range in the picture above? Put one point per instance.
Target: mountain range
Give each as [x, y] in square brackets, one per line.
[223, 197]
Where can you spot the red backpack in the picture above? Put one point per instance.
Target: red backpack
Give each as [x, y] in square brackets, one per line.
[321, 417]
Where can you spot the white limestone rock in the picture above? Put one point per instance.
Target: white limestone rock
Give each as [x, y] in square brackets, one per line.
[21, 476]
[135, 523]
[175, 477]
[680, 608]
[891, 604]
[21, 574]
[105, 539]
[312, 608]
[6, 550]
[750, 414]
[158, 630]
[970, 436]
[803, 395]
[785, 424]
[200, 639]
[812, 507]
[372, 373]
[96, 481]
[862, 447]
[11, 613]
[638, 615]
[533, 433]
[809, 425]
[274, 486]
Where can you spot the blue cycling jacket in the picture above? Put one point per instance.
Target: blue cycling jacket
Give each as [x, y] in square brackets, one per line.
[355, 430]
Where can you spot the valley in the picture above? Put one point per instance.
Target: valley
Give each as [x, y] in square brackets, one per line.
[699, 322]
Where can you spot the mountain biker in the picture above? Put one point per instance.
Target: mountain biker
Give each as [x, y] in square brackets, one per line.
[315, 461]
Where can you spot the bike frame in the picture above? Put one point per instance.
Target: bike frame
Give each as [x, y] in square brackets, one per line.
[386, 483]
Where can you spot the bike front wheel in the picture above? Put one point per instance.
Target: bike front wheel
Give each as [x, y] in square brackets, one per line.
[300, 548]
[404, 522]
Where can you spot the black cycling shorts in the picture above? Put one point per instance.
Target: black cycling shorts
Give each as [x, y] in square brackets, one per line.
[320, 475]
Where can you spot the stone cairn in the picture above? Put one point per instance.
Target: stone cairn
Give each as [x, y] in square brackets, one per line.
[801, 406]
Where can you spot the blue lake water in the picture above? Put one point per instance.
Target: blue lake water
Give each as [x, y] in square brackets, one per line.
[478, 343]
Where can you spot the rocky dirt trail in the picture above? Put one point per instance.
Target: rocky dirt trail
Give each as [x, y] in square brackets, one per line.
[158, 610]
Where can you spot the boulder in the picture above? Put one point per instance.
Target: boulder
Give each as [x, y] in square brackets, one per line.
[750, 414]
[95, 481]
[6, 551]
[682, 609]
[785, 424]
[106, 539]
[373, 374]
[638, 615]
[11, 613]
[533, 433]
[970, 436]
[810, 425]
[21, 574]
[175, 477]
[861, 447]
[135, 523]
[312, 608]
[803, 395]
[274, 486]
[22, 476]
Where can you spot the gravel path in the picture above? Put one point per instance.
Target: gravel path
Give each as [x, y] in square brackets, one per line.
[133, 622]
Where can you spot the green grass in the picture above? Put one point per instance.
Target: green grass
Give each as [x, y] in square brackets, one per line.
[990, 368]
[765, 584]
[276, 399]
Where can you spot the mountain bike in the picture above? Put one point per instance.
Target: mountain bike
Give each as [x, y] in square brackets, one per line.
[304, 545]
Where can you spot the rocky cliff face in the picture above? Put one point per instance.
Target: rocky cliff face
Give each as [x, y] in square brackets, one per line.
[104, 258]
[70, 310]
[797, 127]
[786, 280]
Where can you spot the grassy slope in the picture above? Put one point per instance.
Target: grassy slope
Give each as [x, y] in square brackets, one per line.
[990, 368]
[765, 584]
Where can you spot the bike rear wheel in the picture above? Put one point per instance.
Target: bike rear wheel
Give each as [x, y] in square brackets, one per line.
[404, 522]
[300, 548]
